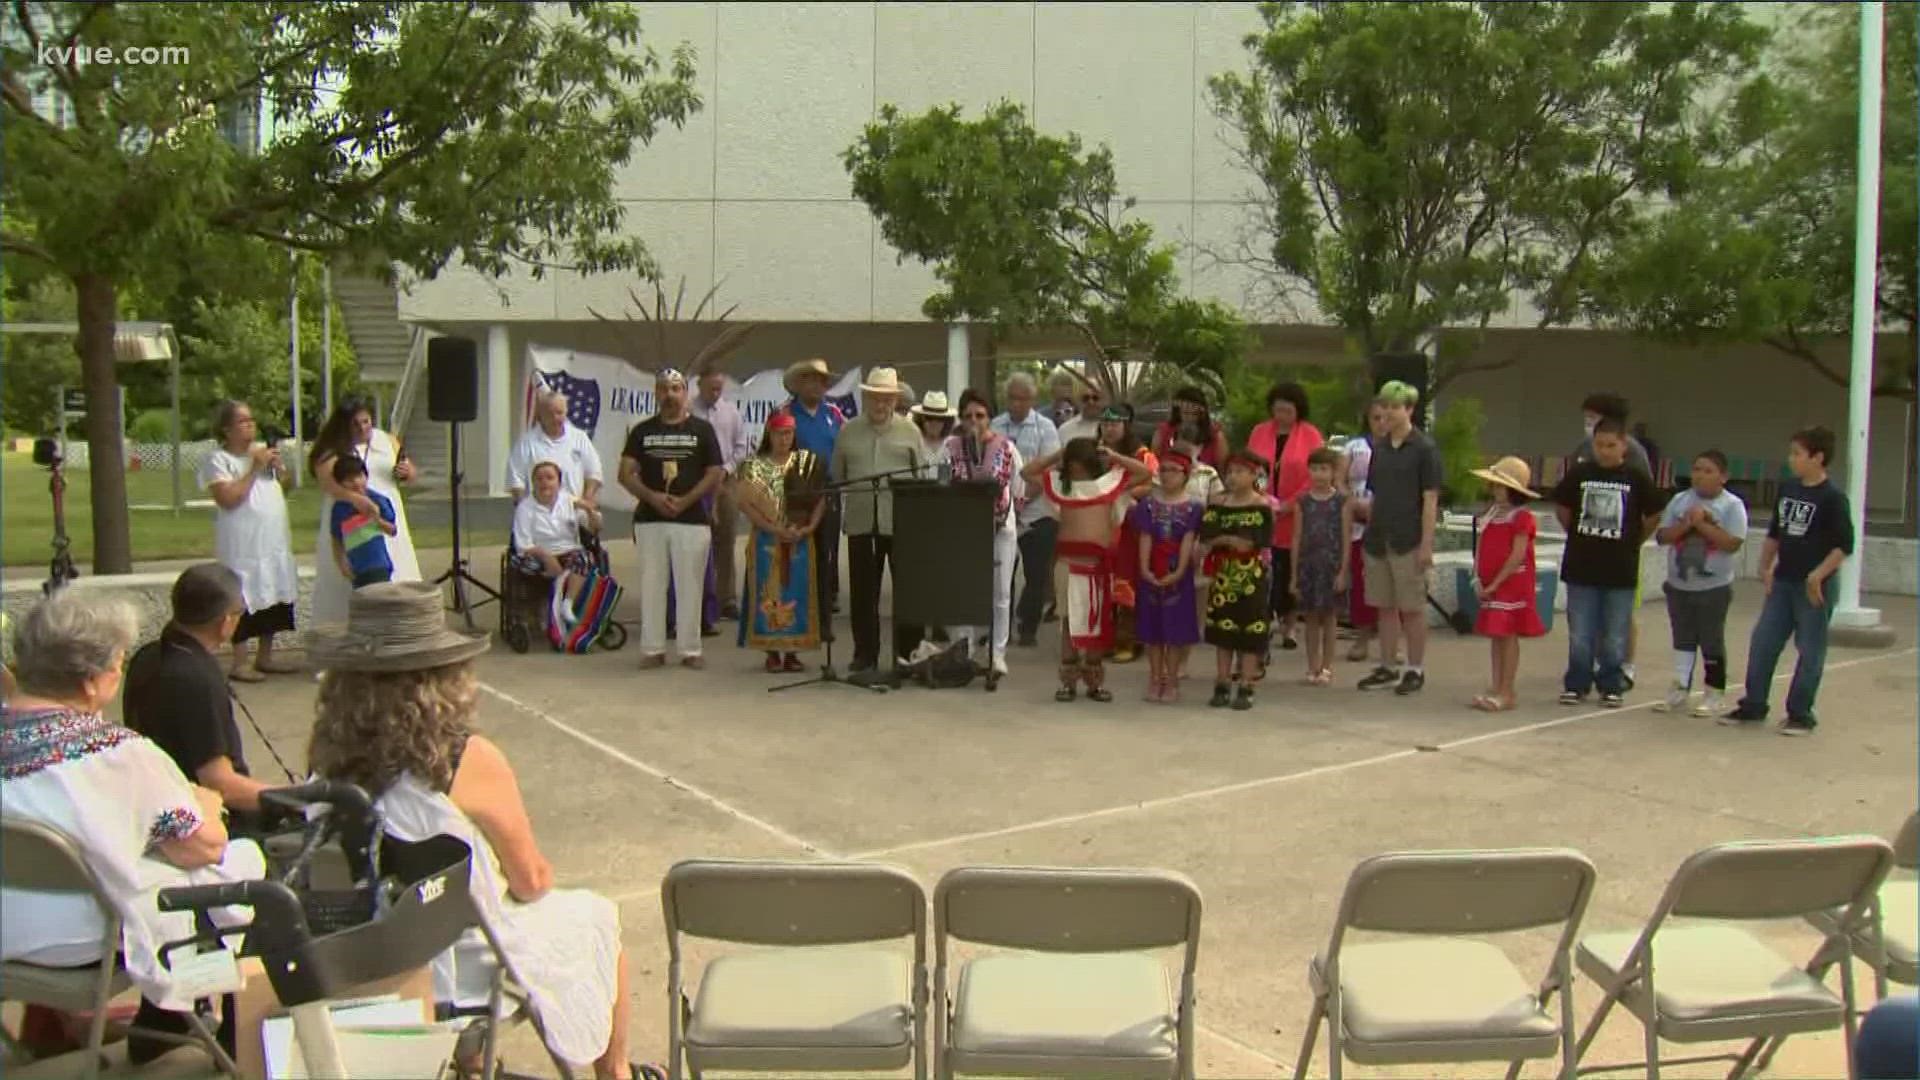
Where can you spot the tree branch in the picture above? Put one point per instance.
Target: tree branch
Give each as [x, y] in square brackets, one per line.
[20, 245]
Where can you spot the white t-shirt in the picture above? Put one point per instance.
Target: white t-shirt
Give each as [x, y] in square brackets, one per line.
[573, 451]
[1694, 565]
[553, 529]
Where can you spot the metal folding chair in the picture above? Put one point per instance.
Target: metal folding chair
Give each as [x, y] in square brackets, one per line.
[819, 997]
[1895, 912]
[1085, 995]
[44, 859]
[1436, 994]
[1709, 981]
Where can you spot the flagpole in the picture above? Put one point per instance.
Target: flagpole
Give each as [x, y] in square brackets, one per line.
[1848, 614]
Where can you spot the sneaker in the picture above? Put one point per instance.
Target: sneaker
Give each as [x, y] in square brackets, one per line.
[657, 660]
[1381, 678]
[1744, 714]
[695, 662]
[1798, 727]
[1675, 701]
[1101, 695]
[1219, 700]
[1027, 639]
[1243, 699]
[1065, 693]
[1612, 701]
[1572, 697]
[1411, 682]
[1000, 665]
[1626, 672]
[1712, 703]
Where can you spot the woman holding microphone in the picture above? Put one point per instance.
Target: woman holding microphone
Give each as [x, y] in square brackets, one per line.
[251, 537]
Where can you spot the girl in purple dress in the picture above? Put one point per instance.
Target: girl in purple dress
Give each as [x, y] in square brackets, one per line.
[1167, 616]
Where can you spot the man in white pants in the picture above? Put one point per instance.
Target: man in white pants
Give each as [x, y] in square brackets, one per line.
[671, 462]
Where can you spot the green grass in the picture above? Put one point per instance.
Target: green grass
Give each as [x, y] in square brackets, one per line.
[26, 517]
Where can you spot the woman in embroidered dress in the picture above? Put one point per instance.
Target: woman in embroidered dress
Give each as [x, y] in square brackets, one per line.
[395, 715]
[978, 454]
[350, 430]
[251, 536]
[778, 488]
[1166, 524]
[139, 824]
[1238, 528]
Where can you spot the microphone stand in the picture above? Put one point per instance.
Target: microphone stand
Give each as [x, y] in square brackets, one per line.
[828, 674]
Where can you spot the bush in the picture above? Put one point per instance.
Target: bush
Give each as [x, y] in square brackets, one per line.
[1457, 431]
[152, 426]
[1334, 395]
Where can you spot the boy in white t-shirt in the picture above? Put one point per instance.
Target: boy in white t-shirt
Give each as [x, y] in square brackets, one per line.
[1701, 529]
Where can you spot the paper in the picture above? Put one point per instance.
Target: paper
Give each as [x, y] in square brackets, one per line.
[381, 1036]
[203, 975]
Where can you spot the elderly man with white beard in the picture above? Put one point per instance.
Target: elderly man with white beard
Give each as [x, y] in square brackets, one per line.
[877, 443]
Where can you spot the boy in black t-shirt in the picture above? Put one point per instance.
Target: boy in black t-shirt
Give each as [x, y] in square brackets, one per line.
[1608, 508]
[1811, 535]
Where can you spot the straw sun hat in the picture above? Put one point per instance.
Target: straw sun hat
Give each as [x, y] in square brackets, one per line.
[1509, 472]
[814, 366]
[934, 405]
[394, 626]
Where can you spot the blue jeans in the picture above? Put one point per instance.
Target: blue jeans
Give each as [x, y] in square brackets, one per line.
[1597, 623]
[1788, 613]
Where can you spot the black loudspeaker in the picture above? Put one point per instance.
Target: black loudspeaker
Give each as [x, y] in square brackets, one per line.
[943, 553]
[453, 380]
[1409, 368]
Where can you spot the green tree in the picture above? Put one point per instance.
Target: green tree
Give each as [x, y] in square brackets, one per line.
[1029, 230]
[1762, 251]
[402, 133]
[1422, 167]
[33, 367]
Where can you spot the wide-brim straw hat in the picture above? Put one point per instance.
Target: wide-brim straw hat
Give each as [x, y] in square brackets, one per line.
[1509, 472]
[881, 380]
[394, 626]
[812, 366]
[935, 405]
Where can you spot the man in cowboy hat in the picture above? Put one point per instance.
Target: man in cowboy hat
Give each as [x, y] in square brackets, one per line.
[816, 425]
[671, 463]
[878, 445]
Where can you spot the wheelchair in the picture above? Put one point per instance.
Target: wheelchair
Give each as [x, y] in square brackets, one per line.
[524, 600]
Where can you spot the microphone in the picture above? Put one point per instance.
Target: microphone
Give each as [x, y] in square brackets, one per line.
[971, 442]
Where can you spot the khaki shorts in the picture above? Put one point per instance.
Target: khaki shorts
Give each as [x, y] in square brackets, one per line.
[1395, 582]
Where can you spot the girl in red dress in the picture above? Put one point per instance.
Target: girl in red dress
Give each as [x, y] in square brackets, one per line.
[1503, 571]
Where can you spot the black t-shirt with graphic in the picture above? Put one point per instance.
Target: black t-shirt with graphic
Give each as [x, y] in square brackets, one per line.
[1808, 523]
[1610, 507]
[685, 450]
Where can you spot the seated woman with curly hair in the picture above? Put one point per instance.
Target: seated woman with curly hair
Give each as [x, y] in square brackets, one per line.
[395, 716]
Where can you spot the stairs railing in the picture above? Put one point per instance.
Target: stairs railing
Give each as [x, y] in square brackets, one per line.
[412, 377]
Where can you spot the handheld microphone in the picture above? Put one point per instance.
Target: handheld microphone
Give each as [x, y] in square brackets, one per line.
[971, 442]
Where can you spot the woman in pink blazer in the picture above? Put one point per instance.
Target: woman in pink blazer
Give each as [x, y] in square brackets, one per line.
[1285, 438]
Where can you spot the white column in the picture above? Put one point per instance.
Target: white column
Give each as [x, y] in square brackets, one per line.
[958, 360]
[1866, 246]
[499, 408]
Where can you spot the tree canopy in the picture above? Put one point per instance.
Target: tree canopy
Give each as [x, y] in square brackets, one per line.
[407, 135]
[1762, 249]
[1024, 229]
[1424, 167]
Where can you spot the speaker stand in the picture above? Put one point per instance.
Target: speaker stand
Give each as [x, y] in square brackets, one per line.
[457, 573]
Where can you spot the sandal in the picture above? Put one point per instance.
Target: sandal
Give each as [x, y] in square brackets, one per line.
[1101, 695]
[1486, 703]
[1065, 693]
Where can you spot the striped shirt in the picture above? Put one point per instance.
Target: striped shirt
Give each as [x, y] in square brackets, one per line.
[360, 535]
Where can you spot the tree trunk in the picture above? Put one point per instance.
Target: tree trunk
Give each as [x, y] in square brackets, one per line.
[107, 466]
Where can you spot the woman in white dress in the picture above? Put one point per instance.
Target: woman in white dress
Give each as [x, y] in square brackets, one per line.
[395, 714]
[251, 537]
[350, 430]
[139, 824]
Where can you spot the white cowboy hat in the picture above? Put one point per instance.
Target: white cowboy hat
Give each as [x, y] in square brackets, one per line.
[935, 405]
[394, 626]
[882, 380]
[813, 366]
[1509, 472]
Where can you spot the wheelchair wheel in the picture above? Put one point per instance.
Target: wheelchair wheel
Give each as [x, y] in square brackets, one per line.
[614, 637]
[516, 635]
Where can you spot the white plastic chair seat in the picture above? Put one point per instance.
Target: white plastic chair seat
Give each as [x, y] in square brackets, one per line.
[1714, 982]
[1053, 1014]
[1413, 1000]
[832, 997]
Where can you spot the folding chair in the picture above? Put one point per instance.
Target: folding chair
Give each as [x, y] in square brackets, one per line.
[819, 997]
[1719, 982]
[1449, 997]
[1085, 996]
[1895, 911]
[43, 859]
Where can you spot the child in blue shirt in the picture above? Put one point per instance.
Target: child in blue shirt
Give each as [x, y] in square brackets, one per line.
[359, 538]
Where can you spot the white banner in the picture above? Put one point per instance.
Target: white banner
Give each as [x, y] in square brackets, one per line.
[606, 396]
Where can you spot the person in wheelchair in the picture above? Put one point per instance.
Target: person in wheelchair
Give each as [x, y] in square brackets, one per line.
[398, 699]
[139, 823]
[547, 527]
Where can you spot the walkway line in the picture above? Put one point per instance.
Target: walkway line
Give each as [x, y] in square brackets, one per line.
[629, 760]
[1304, 774]
[1245, 1047]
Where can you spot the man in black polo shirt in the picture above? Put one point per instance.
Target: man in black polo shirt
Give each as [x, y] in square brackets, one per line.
[177, 695]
